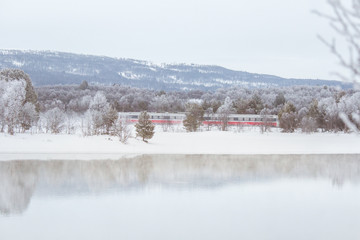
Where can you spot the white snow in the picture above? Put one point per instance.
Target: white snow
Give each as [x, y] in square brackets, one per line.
[48, 146]
[18, 64]
[130, 75]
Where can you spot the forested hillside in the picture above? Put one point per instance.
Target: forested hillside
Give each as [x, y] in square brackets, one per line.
[57, 68]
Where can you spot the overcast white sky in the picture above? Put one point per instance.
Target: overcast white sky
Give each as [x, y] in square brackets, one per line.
[263, 36]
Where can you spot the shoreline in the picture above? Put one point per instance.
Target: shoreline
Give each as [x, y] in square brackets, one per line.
[62, 146]
[4, 157]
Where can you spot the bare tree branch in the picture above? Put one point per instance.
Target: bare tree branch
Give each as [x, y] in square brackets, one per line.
[345, 21]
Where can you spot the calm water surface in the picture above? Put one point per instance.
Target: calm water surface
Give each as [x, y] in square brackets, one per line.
[183, 197]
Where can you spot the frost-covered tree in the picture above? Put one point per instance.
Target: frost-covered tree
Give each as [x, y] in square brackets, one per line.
[279, 100]
[98, 109]
[109, 119]
[144, 127]
[350, 111]
[28, 116]
[194, 116]
[160, 103]
[9, 75]
[11, 100]
[308, 124]
[345, 21]
[255, 104]
[55, 119]
[224, 111]
[287, 118]
[209, 116]
[266, 120]
[122, 129]
[330, 107]
[315, 114]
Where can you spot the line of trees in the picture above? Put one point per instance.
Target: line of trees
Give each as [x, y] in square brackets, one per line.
[308, 108]
[53, 108]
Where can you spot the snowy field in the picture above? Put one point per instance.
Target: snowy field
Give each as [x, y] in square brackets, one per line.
[250, 141]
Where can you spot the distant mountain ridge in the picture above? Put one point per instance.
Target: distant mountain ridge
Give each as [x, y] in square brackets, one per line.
[59, 68]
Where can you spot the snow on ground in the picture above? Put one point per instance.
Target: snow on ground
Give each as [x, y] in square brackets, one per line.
[62, 146]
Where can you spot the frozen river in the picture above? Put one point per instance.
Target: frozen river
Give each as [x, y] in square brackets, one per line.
[182, 197]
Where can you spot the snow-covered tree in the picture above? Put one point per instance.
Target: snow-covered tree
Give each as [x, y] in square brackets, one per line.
[314, 113]
[55, 119]
[122, 129]
[209, 116]
[144, 127]
[330, 107]
[266, 120]
[224, 111]
[308, 124]
[12, 100]
[28, 116]
[279, 100]
[9, 75]
[110, 118]
[350, 111]
[287, 118]
[194, 116]
[98, 109]
[160, 103]
[345, 20]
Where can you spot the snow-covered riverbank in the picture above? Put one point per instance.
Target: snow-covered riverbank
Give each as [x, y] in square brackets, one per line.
[48, 146]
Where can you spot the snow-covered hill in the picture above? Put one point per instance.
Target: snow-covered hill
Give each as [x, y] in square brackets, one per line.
[52, 68]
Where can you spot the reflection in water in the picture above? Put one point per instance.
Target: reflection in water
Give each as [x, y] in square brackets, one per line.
[19, 180]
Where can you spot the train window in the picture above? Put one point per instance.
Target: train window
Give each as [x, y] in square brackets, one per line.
[236, 119]
[243, 119]
[134, 116]
[206, 118]
[166, 117]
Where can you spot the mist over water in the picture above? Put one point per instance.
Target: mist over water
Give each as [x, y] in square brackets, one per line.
[183, 197]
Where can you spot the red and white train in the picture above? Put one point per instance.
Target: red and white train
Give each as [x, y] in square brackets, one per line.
[233, 119]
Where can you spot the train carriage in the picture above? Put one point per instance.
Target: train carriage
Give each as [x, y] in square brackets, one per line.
[233, 119]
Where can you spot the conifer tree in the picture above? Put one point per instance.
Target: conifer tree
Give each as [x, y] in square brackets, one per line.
[110, 118]
[193, 117]
[287, 117]
[144, 127]
[84, 85]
